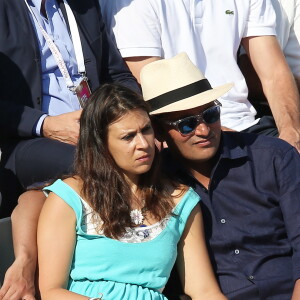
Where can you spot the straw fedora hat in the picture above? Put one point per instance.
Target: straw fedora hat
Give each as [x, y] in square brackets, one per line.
[176, 84]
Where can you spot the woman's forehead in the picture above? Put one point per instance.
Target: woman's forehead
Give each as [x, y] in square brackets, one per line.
[131, 119]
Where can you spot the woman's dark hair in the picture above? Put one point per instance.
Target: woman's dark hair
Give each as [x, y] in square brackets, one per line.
[104, 184]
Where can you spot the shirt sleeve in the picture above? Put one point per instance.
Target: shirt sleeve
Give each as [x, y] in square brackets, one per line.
[288, 174]
[135, 26]
[292, 48]
[261, 19]
[113, 67]
[38, 126]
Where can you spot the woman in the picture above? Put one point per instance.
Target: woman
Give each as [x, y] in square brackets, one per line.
[111, 231]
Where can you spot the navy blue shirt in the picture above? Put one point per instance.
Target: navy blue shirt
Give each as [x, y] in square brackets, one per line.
[251, 215]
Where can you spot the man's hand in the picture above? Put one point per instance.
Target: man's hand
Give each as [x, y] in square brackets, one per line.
[19, 281]
[292, 137]
[64, 127]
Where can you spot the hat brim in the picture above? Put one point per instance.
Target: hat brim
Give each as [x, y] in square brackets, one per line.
[195, 101]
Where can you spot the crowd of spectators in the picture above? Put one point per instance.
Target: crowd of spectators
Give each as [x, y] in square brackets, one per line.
[55, 53]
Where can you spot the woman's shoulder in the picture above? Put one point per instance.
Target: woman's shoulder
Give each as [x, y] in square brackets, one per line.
[65, 188]
[179, 192]
[68, 191]
[75, 183]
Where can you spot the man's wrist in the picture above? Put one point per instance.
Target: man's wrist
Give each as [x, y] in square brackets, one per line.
[27, 260]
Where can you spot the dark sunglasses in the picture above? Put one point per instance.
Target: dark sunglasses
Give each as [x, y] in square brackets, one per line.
[189, 124]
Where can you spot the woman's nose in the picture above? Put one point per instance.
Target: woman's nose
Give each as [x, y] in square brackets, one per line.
[142, 141]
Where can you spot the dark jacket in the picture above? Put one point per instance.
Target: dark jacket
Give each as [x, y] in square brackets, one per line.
[20, 68]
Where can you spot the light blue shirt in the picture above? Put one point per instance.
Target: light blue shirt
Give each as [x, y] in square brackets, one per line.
[57, 98]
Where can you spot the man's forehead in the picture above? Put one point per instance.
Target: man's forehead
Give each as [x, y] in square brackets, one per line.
[185, 113]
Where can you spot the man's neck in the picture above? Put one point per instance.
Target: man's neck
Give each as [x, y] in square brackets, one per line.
[202, 171]
[203, 176]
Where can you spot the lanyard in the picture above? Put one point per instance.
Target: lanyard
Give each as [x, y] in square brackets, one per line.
[55, 51]
[76, 39]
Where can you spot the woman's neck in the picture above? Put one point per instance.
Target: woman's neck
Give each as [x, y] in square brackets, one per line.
[132, 181]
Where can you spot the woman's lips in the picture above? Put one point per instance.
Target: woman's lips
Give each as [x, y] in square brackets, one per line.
[144, 157]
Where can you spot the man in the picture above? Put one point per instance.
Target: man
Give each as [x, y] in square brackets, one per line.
[288, 36]
[288, 32]
[36, 100]
[249, 184]
[211, 33]
[39, 107]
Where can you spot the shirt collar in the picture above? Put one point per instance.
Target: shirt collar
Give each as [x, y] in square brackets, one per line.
[36, 3]
[231, 146]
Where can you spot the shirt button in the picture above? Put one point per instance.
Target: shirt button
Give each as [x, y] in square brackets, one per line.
[251, 277]
[223, 221]
[236, 251]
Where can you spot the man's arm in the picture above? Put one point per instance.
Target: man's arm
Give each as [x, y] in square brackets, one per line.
[19, 281]
[136, 64]
[278, 85]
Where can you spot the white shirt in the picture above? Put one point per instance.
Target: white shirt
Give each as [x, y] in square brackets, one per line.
[209, 31]
[288, 31]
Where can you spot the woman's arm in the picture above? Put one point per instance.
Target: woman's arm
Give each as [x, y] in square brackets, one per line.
[56, 240]
[193, 262]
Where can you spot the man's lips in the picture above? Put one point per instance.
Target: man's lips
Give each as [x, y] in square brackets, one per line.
[204, 141]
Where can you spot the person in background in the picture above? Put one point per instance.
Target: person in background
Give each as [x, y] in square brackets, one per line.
[53, 55]
[51, 59]
[249, 185]
[211, 32]
[288, 32]
[111, 230]
[288, 36]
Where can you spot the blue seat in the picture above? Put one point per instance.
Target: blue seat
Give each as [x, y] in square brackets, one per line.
[6, 246]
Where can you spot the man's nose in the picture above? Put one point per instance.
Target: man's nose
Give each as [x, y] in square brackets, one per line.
[202, 129]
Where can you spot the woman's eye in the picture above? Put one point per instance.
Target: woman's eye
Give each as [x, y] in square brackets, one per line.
[127, 137]
[147, 128]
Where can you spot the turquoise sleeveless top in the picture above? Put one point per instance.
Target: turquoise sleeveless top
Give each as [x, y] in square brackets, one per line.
[119, 270]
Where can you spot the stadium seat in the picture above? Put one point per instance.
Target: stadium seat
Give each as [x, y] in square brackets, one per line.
[6, 246]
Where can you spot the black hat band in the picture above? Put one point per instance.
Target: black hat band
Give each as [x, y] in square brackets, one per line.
[179, 94]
